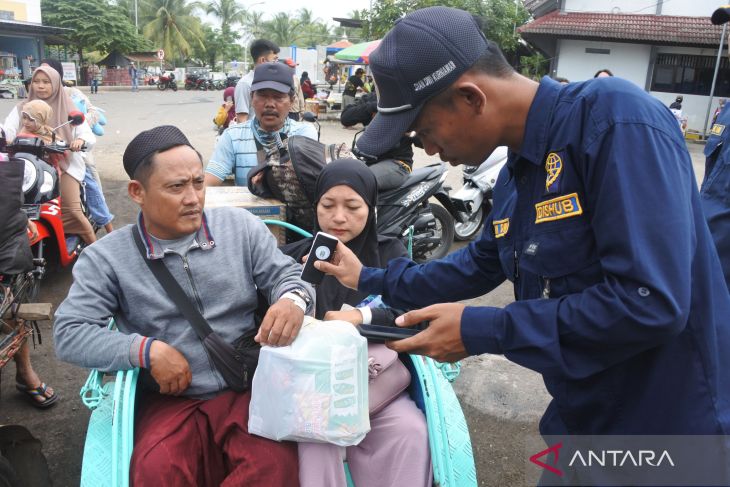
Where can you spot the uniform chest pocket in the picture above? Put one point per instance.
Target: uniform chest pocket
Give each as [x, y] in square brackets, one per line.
[563, 257]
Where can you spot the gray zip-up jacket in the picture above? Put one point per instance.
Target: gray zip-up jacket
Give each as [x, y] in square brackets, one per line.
[221, 275]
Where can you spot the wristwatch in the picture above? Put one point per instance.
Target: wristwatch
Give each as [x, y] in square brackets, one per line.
[300, 297]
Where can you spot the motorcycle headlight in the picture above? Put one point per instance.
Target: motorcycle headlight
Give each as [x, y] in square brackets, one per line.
[47, 185]
[30, 176]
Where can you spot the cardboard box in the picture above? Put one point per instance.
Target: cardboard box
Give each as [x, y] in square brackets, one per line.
[241, 197]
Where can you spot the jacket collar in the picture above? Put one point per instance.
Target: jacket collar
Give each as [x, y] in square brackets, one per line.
[537, 127]
[203, 237]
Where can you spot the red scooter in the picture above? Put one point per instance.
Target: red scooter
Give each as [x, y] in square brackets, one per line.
[41, 197]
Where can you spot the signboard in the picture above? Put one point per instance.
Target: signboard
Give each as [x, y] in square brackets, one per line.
[160, 54]
[69, 71]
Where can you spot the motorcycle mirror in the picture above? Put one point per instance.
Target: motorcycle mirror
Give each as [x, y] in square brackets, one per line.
[76, 118]
[309, 117]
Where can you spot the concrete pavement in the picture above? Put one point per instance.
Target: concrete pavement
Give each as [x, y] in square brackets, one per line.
[502, 401]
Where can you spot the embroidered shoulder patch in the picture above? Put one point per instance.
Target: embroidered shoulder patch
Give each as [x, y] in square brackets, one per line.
[717, 129]
[501, 227]
[553, 168]
[558, 208]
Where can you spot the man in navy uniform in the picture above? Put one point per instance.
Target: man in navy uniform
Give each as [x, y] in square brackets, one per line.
[597, 221]
[715, 191]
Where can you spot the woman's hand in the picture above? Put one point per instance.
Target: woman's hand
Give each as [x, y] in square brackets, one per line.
[353, 316]
[76, 145]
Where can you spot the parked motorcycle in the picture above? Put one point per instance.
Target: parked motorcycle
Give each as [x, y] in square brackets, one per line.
[231, 81]
[167, 80]
[41, 197]
[198, 82]
[473, 201]
[427, 229]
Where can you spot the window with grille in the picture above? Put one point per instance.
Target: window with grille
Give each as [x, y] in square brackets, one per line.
[690, 75]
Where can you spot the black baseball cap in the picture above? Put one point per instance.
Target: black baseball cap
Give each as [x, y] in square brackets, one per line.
[721, 15]
[422, 55]
[274, 75]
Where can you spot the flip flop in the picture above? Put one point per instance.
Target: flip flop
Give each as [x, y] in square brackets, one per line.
[38, 391]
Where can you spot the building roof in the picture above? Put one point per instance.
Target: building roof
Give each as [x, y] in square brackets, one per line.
[645, 29]
[20, 28]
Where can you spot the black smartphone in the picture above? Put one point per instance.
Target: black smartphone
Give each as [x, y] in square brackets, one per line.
[378, 333]
[323, 248]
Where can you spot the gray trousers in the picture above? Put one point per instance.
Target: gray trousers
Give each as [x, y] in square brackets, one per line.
[389, 173]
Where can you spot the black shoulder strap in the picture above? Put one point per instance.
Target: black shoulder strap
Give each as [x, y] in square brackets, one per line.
[173, 289]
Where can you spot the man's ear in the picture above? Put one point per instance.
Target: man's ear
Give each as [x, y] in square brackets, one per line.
[473, 96]
[135, 189]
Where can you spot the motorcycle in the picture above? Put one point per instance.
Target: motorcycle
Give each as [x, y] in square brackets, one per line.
[473, 201]
[41, 201]
[231, 81]
[195, 82]
[167, 80]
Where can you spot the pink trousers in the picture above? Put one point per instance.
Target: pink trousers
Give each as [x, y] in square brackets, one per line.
[394, 453]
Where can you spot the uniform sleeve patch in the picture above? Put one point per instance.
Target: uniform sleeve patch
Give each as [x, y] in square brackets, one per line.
[558, 208]
[501, 227]
[717, 129]
[553, 168]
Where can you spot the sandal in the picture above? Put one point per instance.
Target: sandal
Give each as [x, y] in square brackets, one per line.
[40, 391]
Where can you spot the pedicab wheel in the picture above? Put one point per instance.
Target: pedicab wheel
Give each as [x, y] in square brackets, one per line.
[162, 86]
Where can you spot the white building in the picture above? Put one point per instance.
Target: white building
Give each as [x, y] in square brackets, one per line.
[666, 47]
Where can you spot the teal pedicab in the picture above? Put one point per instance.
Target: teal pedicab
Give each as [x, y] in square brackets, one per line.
[110, 435]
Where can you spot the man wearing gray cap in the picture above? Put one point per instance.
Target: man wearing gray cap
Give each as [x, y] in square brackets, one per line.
[240, 146]
[191, 428]
[596, 221]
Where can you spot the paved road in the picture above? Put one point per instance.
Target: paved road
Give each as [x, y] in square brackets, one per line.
[502, 401]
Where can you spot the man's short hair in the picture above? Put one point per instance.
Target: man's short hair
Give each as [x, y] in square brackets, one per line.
[493, 62]
[261, 47]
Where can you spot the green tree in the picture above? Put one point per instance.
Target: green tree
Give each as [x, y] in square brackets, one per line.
[501, 17]
[97, 25]
[217, 46]
[313, 30]
[283, 29]
[172, 26]
[228, 12]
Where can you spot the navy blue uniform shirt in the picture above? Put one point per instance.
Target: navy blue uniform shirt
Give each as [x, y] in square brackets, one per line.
[715, 192]
[620, 298]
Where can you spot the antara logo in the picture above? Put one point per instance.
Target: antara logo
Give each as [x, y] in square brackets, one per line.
[555, 449]
[619, 458]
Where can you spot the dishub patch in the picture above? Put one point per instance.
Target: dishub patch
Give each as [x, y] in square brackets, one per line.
[558, 208]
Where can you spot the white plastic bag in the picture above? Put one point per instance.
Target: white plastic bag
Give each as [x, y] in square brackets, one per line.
[314, 390]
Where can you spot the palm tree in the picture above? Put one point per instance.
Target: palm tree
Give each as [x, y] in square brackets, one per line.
[254, 23]
[283, 29]
[172, 26]
[229, 12]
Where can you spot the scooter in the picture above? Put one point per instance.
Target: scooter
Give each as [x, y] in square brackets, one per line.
[41, 197]
[472, 201]
[425, 228]
[167, 80]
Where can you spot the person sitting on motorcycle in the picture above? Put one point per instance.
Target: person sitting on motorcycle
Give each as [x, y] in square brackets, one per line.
[16, 258]
[392, 168]
[46, 85]
[395, 451]
[242, 146]
[191, 428]
[95, 201]
[227, 112]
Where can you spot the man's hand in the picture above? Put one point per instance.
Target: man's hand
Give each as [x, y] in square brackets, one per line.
[281, 324]
[256, 180]
[32, 230]
[345, 266]
[353, 316]
[169, 368]
[76, 145]
[441, 340]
